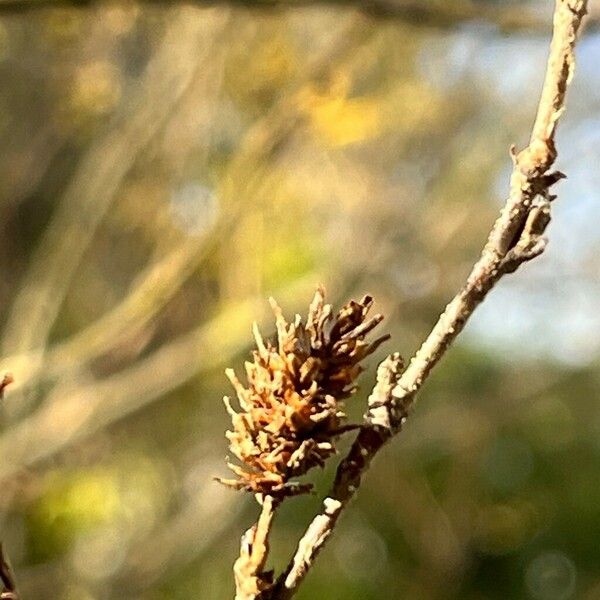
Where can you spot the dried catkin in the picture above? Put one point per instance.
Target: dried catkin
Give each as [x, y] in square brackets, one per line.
[291, 410]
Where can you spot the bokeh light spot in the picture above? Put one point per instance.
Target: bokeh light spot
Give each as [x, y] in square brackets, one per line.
[551, 576]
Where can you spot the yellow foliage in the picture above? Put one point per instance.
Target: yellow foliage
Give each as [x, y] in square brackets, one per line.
[340, 120]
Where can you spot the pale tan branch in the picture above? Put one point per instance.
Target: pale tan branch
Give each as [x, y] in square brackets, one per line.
[384, 417]
[250, 577]
[516, 237]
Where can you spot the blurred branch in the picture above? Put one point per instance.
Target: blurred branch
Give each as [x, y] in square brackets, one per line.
[170, 72]
[155, 285]
[177, 542]
[160, 553]
[510, 17]
[6, 574]
[79, 406]
[22, 177]
[515, 238]
[7, 379]
[7, 577]
[76, 410]
[161, 280]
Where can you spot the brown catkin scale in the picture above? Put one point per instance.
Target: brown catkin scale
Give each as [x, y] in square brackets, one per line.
[291, 410]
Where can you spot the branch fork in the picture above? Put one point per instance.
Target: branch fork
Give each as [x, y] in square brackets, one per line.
[516, 238]
[251, 580]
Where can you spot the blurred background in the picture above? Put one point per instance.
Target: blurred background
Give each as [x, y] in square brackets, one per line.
[165, 167]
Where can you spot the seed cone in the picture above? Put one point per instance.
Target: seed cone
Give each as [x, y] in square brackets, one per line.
[292, 408]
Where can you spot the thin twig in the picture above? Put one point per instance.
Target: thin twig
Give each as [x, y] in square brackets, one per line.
[8, 579]
[6, 574]
[250, 577]
[516, 237]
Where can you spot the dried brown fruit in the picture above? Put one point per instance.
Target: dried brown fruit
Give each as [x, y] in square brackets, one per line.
[292, 408]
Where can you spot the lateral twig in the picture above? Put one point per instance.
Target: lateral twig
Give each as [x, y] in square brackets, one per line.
[250, 577]
[515, 238]
[6, 574]
[8, 579]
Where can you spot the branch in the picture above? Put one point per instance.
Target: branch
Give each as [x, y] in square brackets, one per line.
[174, 67]
[384, 417]
[118, 395]
[8, 579]
[6, 380]
[159, 281]
[6, 574]
[79, 409]
[433, 15]
[250, 577]
[515, 238]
